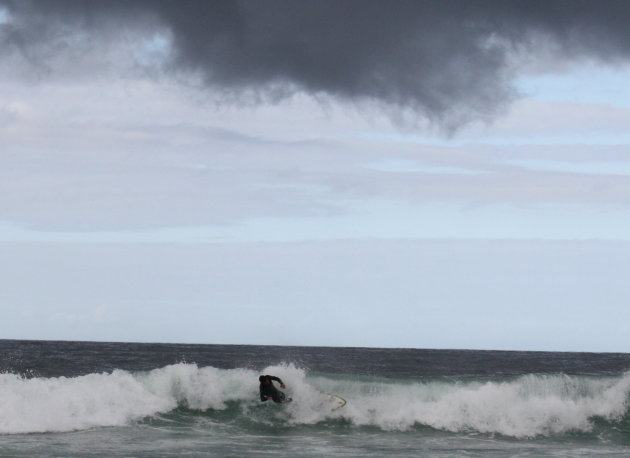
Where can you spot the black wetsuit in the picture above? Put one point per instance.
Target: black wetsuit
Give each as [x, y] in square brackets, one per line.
[268, 390]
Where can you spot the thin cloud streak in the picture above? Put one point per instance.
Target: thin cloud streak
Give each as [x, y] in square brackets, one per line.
[101, 163]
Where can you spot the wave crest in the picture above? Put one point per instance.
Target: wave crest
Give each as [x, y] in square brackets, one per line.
[526, 406]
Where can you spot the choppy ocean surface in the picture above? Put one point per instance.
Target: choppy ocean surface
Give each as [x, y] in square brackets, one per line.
[156, 400]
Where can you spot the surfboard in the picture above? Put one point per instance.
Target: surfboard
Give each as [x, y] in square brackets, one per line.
[335, 402]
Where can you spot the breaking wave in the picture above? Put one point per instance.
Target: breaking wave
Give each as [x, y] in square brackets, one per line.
[522, 407]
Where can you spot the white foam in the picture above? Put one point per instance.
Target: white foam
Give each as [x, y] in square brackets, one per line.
[116, 399]
[523, 407]
[64, 404]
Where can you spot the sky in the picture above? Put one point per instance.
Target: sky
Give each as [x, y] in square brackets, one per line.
[438, 174]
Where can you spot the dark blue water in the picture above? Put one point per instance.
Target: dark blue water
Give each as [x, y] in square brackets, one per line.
[128, 399]
[59, 358]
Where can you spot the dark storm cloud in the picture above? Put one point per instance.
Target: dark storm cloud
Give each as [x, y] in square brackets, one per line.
[447, 61]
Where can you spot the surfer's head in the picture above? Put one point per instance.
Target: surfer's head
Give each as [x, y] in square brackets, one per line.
[263, 379]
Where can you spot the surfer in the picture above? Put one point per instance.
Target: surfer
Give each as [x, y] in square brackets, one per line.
[268, 391]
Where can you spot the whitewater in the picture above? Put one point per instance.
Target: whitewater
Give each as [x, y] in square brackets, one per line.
[199, 409]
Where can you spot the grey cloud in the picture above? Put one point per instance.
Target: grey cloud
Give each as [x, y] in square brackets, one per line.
[449, 62]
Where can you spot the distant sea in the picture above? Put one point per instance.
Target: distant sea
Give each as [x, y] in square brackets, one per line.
[156, 400]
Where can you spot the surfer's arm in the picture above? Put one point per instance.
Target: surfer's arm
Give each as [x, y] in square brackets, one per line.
[277, 379]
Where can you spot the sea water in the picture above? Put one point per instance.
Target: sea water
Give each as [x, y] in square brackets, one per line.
[152, 400]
